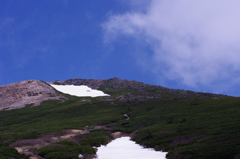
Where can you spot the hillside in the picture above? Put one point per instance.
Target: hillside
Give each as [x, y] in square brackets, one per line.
[185, 124]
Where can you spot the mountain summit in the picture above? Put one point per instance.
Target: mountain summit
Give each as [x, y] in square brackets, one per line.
[30, 92]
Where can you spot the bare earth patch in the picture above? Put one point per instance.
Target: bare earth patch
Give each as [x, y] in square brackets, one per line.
[27, 146]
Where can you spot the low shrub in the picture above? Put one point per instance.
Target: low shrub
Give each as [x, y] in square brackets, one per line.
[60, 150]
[61, 155]
[86, 149]
[46, 150]
[95, 141]
[66, 143]
[9, 152]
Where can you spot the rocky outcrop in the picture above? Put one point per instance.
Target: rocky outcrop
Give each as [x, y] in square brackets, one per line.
[92, 83]
[30, 92]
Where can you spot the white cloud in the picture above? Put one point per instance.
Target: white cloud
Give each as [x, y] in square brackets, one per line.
[197, 41]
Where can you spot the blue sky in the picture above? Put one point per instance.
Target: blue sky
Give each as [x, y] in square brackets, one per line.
[185, 45]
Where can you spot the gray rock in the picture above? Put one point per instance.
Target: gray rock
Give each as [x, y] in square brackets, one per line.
[19, 94]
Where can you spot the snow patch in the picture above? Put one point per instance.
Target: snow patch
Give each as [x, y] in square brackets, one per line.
[125, 148]
[80, 91]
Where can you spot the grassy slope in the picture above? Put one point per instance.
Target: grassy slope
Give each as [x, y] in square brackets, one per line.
[198, 128]
[207, 128]
[54, 116]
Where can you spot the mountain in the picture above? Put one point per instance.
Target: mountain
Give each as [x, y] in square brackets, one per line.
[52, 124]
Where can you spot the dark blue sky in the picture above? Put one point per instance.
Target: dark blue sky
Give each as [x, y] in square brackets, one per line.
[62, 39]
[51, 40]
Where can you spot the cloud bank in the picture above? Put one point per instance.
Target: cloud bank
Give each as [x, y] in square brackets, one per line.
[195, 43]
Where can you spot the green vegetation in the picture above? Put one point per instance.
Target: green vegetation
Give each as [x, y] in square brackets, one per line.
[205, 128]
[95, 141]
[71, 150]
[60, 150]
[29, 105]
[95, 138]
[10, 153]
[55, 116]
[197, 128]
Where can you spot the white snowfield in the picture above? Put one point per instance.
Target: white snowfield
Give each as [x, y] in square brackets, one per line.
[124, 148]
[80, 91]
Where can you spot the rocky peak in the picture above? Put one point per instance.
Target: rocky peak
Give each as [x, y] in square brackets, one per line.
[19, 94]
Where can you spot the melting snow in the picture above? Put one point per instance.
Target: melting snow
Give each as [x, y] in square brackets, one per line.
[125, 148]
[80, 91]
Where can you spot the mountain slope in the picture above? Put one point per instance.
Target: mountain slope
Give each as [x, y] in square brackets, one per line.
[183, 123]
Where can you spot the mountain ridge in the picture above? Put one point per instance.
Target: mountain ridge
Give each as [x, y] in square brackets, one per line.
[130, 88]
[33, 92]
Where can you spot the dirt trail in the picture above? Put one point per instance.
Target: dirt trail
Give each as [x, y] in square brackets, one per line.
[27, 146]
